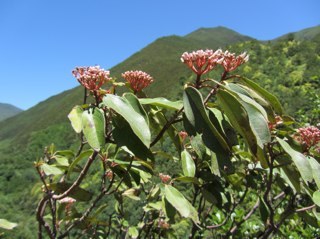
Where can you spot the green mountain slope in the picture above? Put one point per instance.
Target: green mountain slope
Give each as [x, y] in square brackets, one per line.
[7, 111]
[286, 67]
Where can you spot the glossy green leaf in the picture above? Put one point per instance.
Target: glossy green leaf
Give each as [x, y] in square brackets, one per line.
[51, 169]
[264, 211]
[198, 117]
[135, 104]
[188, 165]
[300, 161]
[258, 120]
[180, 203]
[238, 117]
[162, 102]
[93, 123]
[316, 198]
[291, 177]
[78, 193]
[5, 224]
[127, 110]
[75, 117]
[263, 93]
[125, 137]
[131, 193]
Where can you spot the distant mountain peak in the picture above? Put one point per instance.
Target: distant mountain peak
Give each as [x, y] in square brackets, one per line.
[8, 110]
[217, 36]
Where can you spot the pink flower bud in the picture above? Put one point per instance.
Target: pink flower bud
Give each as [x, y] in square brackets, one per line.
[138, 79]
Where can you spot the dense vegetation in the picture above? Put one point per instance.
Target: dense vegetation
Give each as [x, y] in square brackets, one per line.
[287, 67]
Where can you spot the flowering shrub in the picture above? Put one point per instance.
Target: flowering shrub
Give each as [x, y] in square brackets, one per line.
[236, 168]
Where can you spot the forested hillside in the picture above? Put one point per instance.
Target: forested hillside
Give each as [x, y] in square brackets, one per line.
[287, 66]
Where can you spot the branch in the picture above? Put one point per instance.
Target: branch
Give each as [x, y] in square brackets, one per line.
[166, 126]
[79, 179]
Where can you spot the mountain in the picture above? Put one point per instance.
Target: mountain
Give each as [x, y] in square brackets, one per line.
[164, 52]
[7, 111]
[305, 34]
[286, 67]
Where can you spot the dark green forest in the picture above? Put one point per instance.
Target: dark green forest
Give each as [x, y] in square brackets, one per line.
[288, 67]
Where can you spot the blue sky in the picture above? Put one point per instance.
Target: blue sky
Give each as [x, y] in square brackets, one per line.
[42, 41]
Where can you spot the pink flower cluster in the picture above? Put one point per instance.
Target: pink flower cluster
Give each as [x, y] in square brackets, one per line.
[138, 79]
[201, 62]
[231, 61]
[92, 77]
[309, 136]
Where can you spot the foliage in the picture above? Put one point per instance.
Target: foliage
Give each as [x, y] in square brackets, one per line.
[287, 68]
[239, 166]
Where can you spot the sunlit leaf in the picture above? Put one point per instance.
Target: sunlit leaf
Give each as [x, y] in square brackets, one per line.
[51, 169]
[82, 155]
[75, 117]
[188, 165]
[5, 224]
[128, 111]
[180, 203]
[316, 198]
[162, 102]
[299, 160]
[93, 123]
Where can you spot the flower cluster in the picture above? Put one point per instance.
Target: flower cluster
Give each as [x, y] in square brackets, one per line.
[231, 61]
[309, 136]
[138, 79]
[164, 178]
[201, 62]
[92, 77]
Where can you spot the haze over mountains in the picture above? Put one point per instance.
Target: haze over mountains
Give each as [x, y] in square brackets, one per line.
[283, 65]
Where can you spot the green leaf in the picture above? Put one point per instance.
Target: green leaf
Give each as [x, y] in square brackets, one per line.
[63, 161]
[180, 203]
[299, 160]
[131, 193]
[78, 193]
[82, 155]
[188, 165]
[263, 93]
[133, 232]
[127, 110]
[125, 137]
[162, 102]
[315, 170]
[258, 120]
[187, 179]
[75, 116]
[198, 117]
[135, 104]
[50, 169]
[5, 224]
[264, 211]
[316, 198]
[94, 127]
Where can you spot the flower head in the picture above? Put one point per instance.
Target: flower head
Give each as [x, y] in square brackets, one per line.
[309, 136]
[202, 61]
[231, 61]
[91, 77]
[138, 79]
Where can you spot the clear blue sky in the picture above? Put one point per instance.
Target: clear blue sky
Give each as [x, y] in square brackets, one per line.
[42, 41]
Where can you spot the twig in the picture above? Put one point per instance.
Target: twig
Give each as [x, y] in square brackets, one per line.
[79, 179]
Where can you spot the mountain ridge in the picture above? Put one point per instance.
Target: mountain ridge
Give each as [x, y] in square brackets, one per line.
[8, 111]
